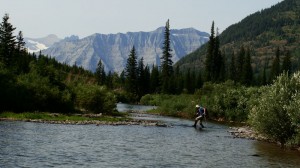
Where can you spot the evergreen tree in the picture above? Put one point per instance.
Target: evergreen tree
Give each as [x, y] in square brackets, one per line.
[199, 81]
[222, 73]
[100, 73]
[240, 64]
[109, 80]
[247, 73]
[122, 78]
[172, 85]
[22, 60]
[116, 81]
[131, 72]
[189, 81]
[275, 71]
[193, 81]
[287, 64]
[232, 68]
[147, 80]
[209, 54]
[264, 77]
[141, 83]
[179, 84]
[166, 67]
[7, 41]
[217, 63]
[20, 42]
[154, 80]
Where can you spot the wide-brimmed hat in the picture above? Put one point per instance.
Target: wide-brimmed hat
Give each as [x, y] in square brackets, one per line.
[197, 106]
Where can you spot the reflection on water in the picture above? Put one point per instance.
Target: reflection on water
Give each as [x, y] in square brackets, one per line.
[24, 144]
[277, 156]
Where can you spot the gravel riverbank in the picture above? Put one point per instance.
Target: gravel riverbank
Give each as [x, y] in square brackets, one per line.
[248, 133]
[93, 122]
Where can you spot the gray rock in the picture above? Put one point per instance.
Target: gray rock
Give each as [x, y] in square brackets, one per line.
[113, 49]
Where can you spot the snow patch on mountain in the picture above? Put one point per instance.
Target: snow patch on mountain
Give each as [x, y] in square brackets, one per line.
[38, 44]
[36, 47]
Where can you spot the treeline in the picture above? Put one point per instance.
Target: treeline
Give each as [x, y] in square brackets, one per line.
[139, 79]
[30, 82]
[262, 33]
[238, 66]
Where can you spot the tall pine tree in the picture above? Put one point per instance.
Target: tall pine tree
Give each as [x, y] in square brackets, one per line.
[100, 73]
[247, 72]
[7, 41]
[22, 60]
[240, 64]
[131, 72]
[275, 71]
[209, 54]
[218, 64]
[141, 83]
[154, 80]
[287, 64]
[232, 68]
[166, 67]
[147, 80]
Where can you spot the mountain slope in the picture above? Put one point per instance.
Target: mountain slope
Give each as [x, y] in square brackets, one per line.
[113, 49]
[37, 44]
[262, 32]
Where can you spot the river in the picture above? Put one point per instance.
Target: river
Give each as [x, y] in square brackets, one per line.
[25, 144]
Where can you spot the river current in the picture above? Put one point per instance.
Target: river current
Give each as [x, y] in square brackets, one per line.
[25, 144]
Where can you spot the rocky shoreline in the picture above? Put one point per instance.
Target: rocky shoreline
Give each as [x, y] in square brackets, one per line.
[248, 133]
[93, 122]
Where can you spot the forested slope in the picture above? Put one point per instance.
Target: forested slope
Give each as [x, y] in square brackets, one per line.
[263, 32]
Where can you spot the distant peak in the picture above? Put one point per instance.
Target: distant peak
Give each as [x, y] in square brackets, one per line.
[52, 36]
[72, 38]
[160, 29]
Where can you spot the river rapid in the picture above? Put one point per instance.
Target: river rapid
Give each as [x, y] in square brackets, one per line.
[26, 144]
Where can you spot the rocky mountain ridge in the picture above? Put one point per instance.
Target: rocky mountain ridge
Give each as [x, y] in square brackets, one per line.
[113, 49]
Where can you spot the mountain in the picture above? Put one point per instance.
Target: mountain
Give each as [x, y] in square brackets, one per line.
[37, 44]
[113, 49]
[262, 32]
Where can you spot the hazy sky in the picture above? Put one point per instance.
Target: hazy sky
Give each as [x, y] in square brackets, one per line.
[38, 18]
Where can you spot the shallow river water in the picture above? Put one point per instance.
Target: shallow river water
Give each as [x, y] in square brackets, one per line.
[24, 144]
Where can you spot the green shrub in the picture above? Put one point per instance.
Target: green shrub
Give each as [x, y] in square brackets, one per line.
[228, 101]
[94, 98]
[37, 93]
[276, 114]
[172, 105]
[147, 99]
[154, 100]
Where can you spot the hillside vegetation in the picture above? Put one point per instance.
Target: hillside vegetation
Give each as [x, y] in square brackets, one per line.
[30, 82]
[263, 32]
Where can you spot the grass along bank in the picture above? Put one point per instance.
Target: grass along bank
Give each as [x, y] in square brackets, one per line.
[77, 119]
[62, 118]
[182, 106]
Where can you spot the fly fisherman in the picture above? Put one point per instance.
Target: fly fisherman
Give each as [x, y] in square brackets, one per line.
[200, 114]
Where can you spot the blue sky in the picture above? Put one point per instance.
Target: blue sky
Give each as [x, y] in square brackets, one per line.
[38, 18]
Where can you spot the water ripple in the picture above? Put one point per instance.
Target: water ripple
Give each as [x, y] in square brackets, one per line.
[25, 144]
